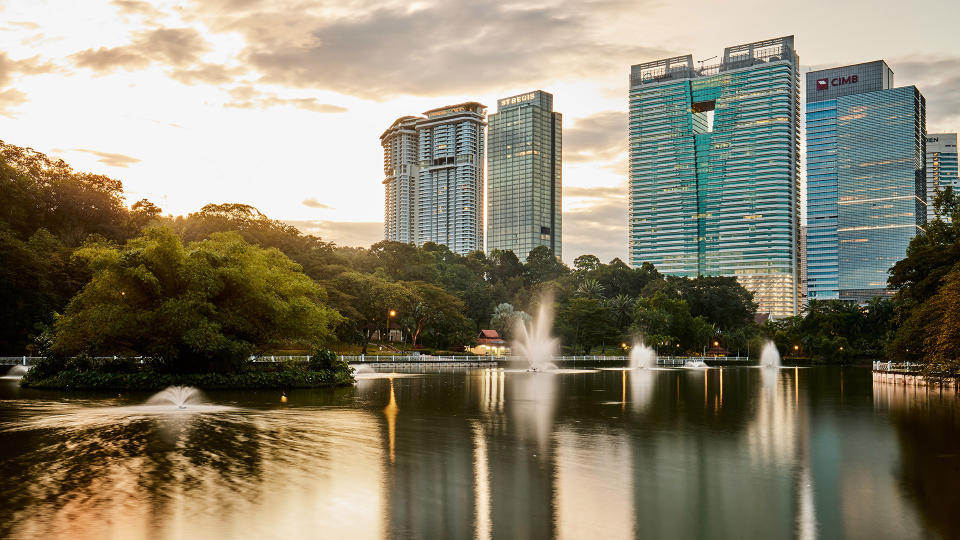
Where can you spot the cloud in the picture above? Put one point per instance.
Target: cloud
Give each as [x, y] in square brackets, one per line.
[344, 233]
[176, 47]
[204, 74]
[939, 81]
[382, 49]
[9, 69]
[137, 8]
[248, 97]
[9, 99]
[111, 159]
[314, 203]
[599, 229]
[600, 137]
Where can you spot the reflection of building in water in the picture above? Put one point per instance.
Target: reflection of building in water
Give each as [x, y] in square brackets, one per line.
[491, 390]
[522, 459]
[590, 467]
[430, 475]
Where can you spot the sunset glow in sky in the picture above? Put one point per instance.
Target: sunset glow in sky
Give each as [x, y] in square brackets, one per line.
[280, 104]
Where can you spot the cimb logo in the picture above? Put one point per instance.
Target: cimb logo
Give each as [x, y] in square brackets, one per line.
[823, 84]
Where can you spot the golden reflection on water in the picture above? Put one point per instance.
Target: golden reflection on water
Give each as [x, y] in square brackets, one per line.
[490, 454]
[390, 412]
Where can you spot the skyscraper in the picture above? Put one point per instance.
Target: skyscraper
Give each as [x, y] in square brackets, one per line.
[714, 185]
[401, 162]
[523, 172]
[434, 178]
[942, 166]
[866, 184]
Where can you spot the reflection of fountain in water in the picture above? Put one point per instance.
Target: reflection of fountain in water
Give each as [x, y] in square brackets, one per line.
[641, 388]
[178, 396]
[642, 356]
[534, 395]
[534, 343]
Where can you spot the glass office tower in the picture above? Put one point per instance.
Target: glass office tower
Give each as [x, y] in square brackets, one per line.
[714, 184]
[942, 166]
[866, 184]
[524, 148]
[433, 186]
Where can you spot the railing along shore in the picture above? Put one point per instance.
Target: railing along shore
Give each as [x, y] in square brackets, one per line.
[421, 359]
[908, 373]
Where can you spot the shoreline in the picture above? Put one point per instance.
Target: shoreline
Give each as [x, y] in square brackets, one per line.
[149, 380]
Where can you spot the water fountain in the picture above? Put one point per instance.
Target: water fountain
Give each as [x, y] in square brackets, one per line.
[695, 364]
[770, 357]
[16, 372]
[769, 367]
[534, 343]
[642, 356]
[178, 396]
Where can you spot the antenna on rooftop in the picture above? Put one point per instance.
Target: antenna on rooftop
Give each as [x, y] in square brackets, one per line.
[701, 62]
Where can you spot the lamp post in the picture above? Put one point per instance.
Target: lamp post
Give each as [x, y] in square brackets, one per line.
[392, 313]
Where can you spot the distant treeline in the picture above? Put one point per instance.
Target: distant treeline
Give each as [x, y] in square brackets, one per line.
[83, 273]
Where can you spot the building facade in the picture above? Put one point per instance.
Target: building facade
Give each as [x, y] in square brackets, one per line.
[523, 174]
[401, 160]
[942, 166]
[866, 183]
[433, 168]
[714, 161]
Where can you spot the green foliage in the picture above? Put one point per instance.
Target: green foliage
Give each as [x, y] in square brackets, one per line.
[926, 300]
[92, 379]
[201, 307]
[667, 322]
[505, 319]
[584, 323]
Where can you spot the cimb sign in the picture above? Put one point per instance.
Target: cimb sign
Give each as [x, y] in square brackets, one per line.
[823, 84]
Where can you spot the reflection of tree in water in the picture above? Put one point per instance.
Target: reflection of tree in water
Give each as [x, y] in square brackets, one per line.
[82, 464]
[929, 471]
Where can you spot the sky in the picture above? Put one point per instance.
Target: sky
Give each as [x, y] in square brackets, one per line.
[280, 104]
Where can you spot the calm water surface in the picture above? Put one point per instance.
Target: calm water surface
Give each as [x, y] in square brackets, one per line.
[809, 453]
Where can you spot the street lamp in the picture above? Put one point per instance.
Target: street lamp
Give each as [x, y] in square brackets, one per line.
[391, 314]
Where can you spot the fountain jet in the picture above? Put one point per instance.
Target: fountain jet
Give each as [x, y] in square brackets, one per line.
[178, 396]
[534, 343]
[642, 356]
[770, 357]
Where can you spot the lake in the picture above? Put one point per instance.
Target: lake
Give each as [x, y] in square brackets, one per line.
[820, 452]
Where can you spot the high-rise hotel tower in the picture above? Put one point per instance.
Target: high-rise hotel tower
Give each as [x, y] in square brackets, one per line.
[714, 183]
[943, 169]
[523, 173]
[866, 180]
[433, 184]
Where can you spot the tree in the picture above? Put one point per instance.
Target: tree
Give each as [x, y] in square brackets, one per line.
[584, 322]
[505, 319]
[366, 301]
[431, 307]
[542, 266]
[722, 301]
[196, 308]
[663, 320]
[586, 263]
[590, 288]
